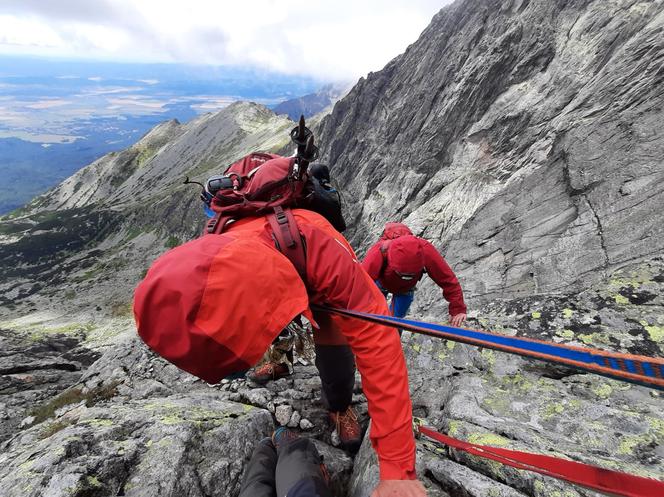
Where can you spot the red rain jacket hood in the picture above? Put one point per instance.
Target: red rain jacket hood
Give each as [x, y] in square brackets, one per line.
[405, 255]
[193, 303]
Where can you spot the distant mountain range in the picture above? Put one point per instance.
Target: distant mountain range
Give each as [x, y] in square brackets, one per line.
[58, 116]
[127, 199]
[313, 103]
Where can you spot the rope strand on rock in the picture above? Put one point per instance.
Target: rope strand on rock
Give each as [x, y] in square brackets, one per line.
[607, 481]
[641, 370]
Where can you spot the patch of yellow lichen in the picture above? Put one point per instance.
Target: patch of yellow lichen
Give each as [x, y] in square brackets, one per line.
[488, 439]
[552, 410]
[620, 300]
[656, 333]
[566, 334]
[603, 390]
[490, 356]
[499, 405]
[453, 428]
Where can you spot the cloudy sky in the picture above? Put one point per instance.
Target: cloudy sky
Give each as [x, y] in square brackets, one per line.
[340, 39]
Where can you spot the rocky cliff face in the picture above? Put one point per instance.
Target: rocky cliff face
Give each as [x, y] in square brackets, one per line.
[523, 138]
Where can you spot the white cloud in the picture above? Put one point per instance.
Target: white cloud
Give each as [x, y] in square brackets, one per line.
[28, 32]
[339, 40]
[48, 103]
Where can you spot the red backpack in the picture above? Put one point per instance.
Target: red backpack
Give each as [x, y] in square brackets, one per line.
[255, 185]
[267, 184]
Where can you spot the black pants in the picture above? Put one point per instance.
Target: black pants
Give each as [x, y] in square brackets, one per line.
[336, 367]
[335, 363]
[295, 470]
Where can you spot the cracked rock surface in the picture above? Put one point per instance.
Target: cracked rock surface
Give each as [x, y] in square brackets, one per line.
[523, 137]
[491, 398]
[132, 424]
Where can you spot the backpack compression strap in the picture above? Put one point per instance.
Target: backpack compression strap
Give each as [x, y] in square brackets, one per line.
[288, 239]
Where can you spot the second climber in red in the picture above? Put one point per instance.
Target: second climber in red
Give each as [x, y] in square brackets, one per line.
[398, 260]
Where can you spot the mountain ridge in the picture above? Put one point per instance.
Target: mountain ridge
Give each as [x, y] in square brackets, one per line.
[313, 103]
[107, 221]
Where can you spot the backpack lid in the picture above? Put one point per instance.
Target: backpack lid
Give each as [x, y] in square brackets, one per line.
[249, 163]
[214, 305]
[405, 255]
[256, 191]
[395, 230]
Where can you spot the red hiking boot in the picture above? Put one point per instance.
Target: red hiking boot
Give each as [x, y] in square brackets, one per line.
[348, 428]
[268, 372]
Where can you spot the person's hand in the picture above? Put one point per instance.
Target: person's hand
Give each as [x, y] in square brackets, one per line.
[457, 320]
[399, 488]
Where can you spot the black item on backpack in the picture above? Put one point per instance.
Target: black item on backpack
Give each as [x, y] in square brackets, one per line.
[325, 199]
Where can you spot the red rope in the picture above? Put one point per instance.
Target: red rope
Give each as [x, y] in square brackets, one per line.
[609, 482]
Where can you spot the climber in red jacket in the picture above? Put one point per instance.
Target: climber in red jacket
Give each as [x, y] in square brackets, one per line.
[240, 294]
[399, 260]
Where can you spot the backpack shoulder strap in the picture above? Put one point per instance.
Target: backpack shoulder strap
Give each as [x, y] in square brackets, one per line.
[217, 224]
[384, 246]
[383, 251]
[288, 239]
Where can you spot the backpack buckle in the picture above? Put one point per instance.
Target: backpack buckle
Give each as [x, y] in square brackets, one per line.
[281, 216]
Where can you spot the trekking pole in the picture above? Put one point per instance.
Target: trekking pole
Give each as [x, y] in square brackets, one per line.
[307, 151]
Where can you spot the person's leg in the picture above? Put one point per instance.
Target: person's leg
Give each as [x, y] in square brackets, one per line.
[336, 366]
[275, 368]
[335, 362]
[401, 303]
[300, 471]
[382, 290]
[259, 476]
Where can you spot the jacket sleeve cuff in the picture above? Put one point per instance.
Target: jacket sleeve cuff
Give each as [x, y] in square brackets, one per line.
[391, 470]
[458, 309]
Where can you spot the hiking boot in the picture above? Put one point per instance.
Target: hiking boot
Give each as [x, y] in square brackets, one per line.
[348, 428]
[267, 372]
[283, 436]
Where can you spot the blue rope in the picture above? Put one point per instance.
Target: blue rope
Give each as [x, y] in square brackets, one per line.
[610, 362]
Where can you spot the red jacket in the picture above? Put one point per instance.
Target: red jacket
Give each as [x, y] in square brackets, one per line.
[417, 256]
[336, 278]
